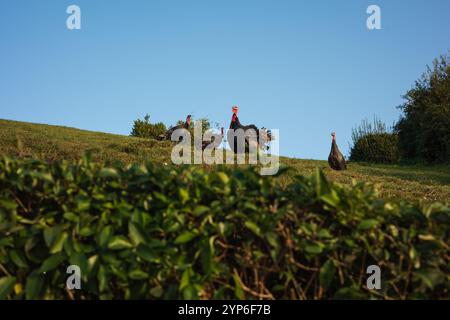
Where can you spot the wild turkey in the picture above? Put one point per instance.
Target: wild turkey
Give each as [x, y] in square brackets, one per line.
[207, 143]
[168, 134]
[236, 124]
[336, 159]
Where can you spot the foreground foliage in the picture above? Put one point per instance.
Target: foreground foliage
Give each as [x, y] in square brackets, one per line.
[147, 231]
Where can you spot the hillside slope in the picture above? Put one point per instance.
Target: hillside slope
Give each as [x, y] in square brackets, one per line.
[52, 143]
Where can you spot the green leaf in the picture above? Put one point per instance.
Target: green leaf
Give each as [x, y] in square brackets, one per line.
[223, 177]
[253, 227]
[184, 195]
[206, 255]
[59, 243]
[86, 232]
[321, 183]
[33, 286]
[6, 286]
[251, 206]
[92, 263]
[313, 247]
[190, 292]
[147, 254]
[83, 204]
[161, 197]
[327, 272]
[80, 260]
[8, 204]
[430, 277]
[185, 237]
[52, 262]
[367, 224]
[324, 234]
[51, 235]
[137, 233]
[119, 243]
[238, 291]
[70, 216]
[185, 279]
[108, 173]
[426, 237]
[105, 236]
[198, 211]
[43, 176]
[222, 228]
[18, 259]
[331, 199]
[157, 292]
[273, 240]
[102, 278]
[138, 274]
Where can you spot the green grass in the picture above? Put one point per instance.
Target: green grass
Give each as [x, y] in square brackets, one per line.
[56, 142]
[429, 183]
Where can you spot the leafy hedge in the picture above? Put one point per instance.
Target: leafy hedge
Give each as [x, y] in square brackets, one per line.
[146, 231]
[376, 148]
[145, 129]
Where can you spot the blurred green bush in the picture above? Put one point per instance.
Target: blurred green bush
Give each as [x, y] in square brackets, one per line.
[156, 232]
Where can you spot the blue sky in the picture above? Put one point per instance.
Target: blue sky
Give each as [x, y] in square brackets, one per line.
[304, 67]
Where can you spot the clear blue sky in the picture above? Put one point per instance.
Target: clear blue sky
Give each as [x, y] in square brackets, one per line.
[304, 67]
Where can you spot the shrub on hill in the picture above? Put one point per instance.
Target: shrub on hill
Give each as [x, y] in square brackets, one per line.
[376, 148]
[145, 129]
[373, 143]
[155, 232]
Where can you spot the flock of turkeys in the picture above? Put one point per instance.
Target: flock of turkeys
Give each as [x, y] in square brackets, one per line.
[336, 160]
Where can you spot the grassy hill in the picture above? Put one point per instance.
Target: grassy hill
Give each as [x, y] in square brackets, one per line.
[51, 143]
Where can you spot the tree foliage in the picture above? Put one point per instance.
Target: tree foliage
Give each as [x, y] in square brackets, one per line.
[424, 128]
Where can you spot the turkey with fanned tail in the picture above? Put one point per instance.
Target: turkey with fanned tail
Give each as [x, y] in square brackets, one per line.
[263, 135]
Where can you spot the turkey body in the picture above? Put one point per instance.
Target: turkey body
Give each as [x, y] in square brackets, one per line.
[168, 134]
[233, 139]
[336, 160]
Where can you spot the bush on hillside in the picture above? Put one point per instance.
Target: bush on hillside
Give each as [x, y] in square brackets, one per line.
[424, 128]
[145, 129]
[155, 232]
[372, 142]
[376, 148]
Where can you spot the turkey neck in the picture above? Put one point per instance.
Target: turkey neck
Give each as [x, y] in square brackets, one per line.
[236, 123]
[334, 147]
